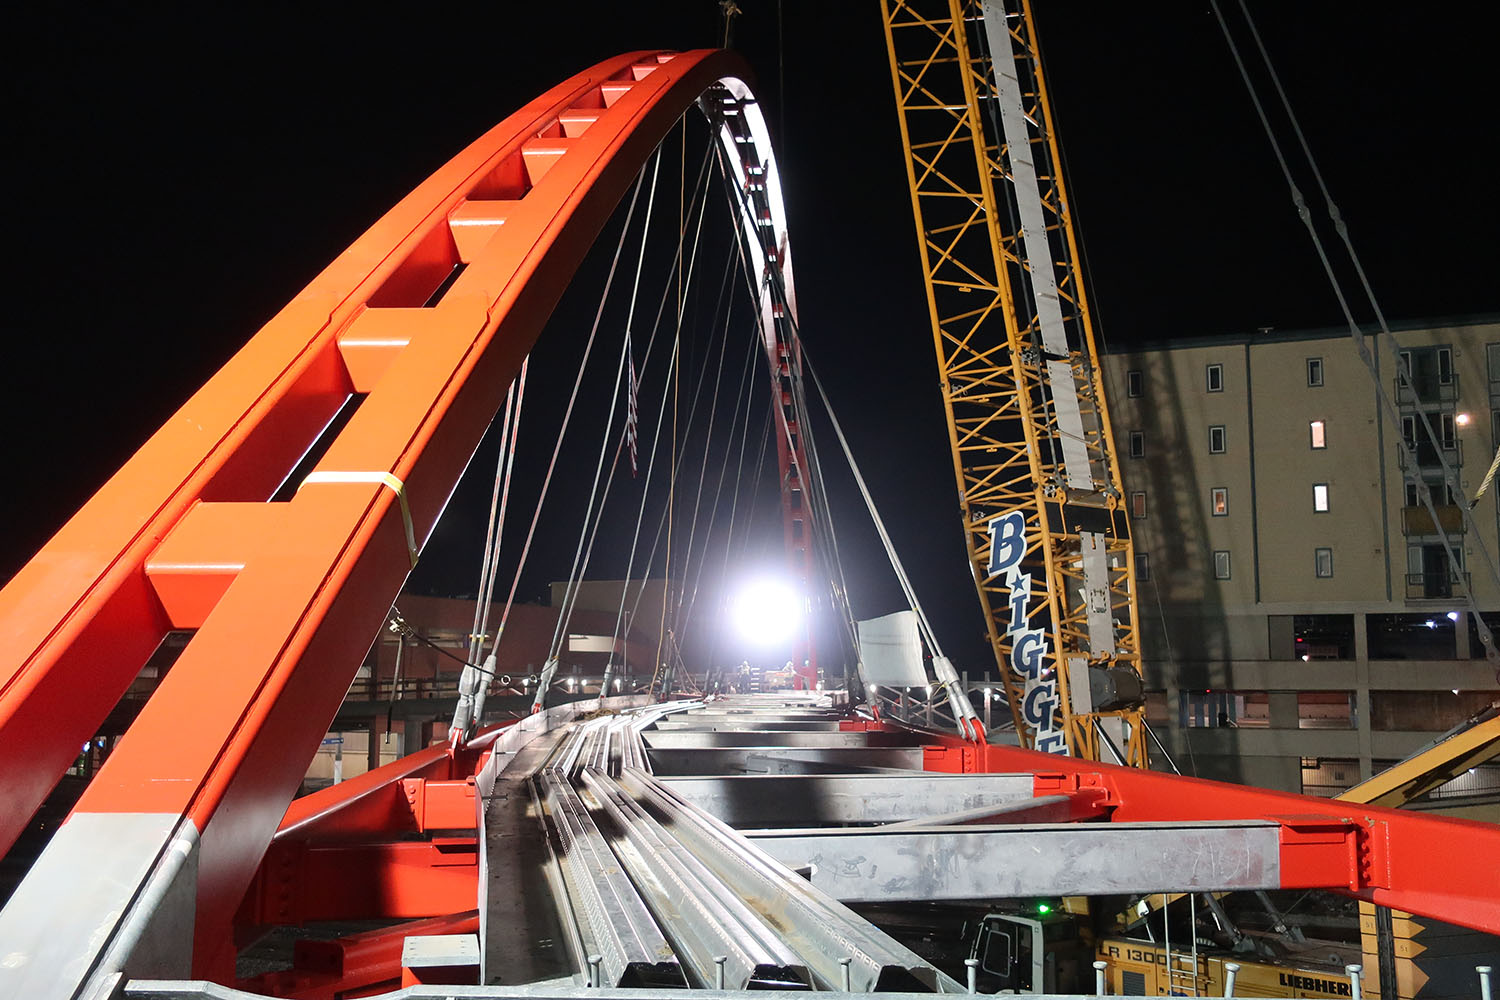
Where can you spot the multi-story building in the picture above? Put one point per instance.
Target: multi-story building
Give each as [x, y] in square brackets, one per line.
[1301, 622]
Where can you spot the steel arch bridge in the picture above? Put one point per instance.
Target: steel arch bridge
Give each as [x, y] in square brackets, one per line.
[189, 835]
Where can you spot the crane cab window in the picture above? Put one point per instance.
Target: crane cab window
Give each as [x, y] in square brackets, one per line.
[1215, 378]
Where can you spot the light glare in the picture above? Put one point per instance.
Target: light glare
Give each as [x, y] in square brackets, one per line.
[766, 612]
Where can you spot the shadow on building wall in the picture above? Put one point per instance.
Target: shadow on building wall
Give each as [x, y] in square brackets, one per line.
[1185, 632]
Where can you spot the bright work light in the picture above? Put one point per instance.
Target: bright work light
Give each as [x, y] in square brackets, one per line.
[766, 612]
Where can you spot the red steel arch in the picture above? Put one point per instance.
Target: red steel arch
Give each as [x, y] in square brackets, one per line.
[286, 596]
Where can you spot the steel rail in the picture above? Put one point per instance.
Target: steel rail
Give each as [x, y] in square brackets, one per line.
[702, 918]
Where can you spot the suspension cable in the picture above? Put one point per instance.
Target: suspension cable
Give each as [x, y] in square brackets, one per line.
[823, 525]
[570, 592]
[489, 531]
[713, 409]
[864, 490]
[510, 434]
[1403, 373]
[747, 366]
[676, 460]
[672, 366]
[568, 412]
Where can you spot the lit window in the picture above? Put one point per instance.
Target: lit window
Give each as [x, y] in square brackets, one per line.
[1138, 505]
[1216, 440]
[1137, 444]
[1314, 372]
[1218, 503]
[1320, 497]
[1318, 439]
[1221, 565]
[1323, 563]
[1215, 378]
[1133, 382]
[1142, 566]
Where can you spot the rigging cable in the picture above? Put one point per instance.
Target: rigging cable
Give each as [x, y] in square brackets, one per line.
[570, 592]
[812, 477]
[672, 365]
[506, 461]
[565, 616]
[713, 409]
[1403, 373]
[748, 365]
[568, 412]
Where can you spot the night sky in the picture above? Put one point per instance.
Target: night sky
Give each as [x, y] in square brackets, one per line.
[176, 178]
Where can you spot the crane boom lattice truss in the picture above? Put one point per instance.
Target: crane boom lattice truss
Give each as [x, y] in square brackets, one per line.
[1040, 488]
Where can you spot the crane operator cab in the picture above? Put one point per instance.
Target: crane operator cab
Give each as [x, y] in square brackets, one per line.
[1023, 954]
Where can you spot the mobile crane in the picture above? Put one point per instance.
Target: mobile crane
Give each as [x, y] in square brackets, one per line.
[1028, 425]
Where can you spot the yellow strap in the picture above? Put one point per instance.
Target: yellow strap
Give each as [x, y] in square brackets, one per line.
[383, 479]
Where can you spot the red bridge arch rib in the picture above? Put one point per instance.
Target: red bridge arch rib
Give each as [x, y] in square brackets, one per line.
[285, 597]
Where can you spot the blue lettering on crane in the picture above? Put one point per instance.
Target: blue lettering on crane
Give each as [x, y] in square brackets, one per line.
[1028, 646]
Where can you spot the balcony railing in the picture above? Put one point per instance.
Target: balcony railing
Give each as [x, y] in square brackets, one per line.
[1428, 389]
[1426, 454]
[1433, 586]
[1417, 521]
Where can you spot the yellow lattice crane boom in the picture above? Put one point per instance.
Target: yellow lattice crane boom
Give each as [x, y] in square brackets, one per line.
[1044, 521]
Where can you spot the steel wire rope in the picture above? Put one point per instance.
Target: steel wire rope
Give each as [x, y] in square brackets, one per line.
[816, 491]
[675, 465]
[506, 464]
[489, 531]
[765, 438]
[684, 617]
[661, 415]
[565, 618]
[864, 490]
[1403, 374]
[713, 409]
[565, 615]
[570, 596]
[568, 412]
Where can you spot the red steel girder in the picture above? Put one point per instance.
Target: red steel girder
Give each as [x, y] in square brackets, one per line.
[356, 964]
[1433, 865]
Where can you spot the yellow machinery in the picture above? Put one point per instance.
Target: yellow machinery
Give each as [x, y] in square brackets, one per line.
[1037, 477]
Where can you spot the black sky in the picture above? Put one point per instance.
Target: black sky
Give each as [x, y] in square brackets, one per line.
[177, 176]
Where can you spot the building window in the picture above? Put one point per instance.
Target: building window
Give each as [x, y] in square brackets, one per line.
[1492, 362]
[1442, 495]
[1218, 501]
[1138, 505]
[1133, 383]
[1320, 498]
[1216, 440]
[1221, 564]
[1142, 567]
[1319, 439]
[1447, 429]
[1137, 444]
[1323, 563]
[1315, 372]
[1215, 378]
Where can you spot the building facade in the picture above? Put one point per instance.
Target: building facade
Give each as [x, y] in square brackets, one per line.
[1301, 624]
